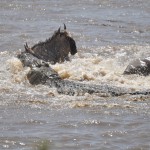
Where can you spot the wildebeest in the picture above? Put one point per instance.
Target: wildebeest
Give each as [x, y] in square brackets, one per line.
[54, 49]
[139, 66]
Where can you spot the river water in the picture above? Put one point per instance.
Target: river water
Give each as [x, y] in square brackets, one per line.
[109, 34]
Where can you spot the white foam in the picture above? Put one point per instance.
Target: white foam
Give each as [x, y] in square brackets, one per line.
[97, 69]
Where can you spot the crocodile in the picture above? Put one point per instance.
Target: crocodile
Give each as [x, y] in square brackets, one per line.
[42, 73]
[40, 56]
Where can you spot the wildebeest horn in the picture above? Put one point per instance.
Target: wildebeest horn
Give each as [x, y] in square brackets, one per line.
[58, 31]
[65, 27]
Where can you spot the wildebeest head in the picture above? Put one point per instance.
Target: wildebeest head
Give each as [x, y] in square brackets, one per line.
[56, 48]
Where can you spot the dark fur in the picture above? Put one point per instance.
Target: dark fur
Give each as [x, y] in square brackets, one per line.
[139, 66]
[54, 49]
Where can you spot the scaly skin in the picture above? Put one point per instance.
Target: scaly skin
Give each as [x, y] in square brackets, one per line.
[42, 73]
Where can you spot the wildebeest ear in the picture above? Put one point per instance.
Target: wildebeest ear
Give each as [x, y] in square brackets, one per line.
[65, 27]
[72, 46]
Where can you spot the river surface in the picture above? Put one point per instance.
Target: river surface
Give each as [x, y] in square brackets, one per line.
[109, 34]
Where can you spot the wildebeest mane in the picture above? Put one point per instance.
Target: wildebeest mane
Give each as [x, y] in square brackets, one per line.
[43, 43]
